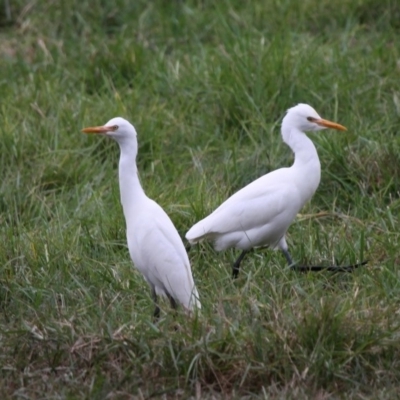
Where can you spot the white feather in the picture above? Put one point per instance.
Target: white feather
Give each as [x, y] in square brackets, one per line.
[154, 244]
[260, 213]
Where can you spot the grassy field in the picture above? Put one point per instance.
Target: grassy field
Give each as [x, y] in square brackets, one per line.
[206, 84]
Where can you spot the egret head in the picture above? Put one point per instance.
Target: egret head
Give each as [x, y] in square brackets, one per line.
[117, 128]
[304, 118]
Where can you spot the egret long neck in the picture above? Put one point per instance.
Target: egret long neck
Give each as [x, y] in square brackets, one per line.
[306, 161]
[303, 148]
[129, 184]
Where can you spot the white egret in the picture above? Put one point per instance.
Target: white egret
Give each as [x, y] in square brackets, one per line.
[261, 213]
[154, 244]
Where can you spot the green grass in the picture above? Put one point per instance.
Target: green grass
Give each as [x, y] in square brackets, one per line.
[206, 84]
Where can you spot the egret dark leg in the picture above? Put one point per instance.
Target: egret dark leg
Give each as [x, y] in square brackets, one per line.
[236, 265]
[288, 258]
[172, 301]
[157, 309]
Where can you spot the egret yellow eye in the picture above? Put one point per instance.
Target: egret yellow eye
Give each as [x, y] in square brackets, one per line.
[311, 119]
[114, 128]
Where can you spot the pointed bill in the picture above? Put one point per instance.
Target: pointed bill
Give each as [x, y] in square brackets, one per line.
[96, 129]
[330, 124]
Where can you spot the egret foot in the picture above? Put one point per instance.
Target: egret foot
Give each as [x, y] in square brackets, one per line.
[331, 268]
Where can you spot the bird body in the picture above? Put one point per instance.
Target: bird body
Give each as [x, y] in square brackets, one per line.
[256, 215]
[260, 213]
[154, 244]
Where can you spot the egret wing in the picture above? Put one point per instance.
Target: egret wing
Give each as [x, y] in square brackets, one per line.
[161, 251]
[257, 204]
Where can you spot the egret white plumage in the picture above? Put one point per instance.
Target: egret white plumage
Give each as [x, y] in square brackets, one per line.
[154, 244]
[261, 213]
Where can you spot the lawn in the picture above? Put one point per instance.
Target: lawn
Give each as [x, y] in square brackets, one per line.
[206, 85]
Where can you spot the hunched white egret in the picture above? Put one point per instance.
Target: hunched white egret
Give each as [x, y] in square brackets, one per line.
[260, 213]
[154, 244]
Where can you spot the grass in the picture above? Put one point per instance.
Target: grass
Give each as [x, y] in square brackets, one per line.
[206, 85]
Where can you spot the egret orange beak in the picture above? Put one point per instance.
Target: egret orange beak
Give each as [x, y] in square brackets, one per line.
[97, 129]
[330, 124]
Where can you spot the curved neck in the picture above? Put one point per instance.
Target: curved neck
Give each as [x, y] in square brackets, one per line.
[306, 167]
[129, 184]
[302, 147]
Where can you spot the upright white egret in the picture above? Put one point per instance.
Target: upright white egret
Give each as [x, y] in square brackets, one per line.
[261, 213]
[154, 244]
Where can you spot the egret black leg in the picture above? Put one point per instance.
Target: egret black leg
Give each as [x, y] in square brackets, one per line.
[172, 301]
[157, 309]
[236, 265]
[288, 258]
